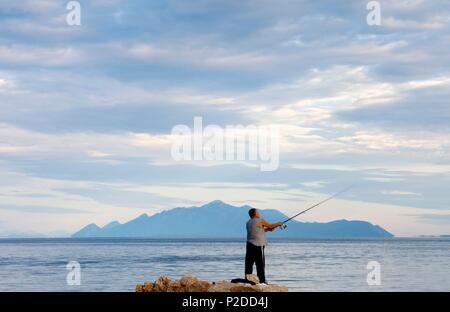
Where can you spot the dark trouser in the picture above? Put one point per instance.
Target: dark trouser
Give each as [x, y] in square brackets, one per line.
[255, 254]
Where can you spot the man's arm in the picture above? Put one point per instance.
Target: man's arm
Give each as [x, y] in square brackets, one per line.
[270, 226]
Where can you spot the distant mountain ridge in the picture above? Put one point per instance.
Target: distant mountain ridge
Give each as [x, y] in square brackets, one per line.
[220, 220]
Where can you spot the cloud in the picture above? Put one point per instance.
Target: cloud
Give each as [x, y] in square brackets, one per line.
[29, 6]
[200, 54]
[400, 193]
[124, 198]
[433, 24]
[314, 184]
[89, 108]
[4, 83]
[84, 146]
[441, 219]
[423, 106]
[41, 209]
[380, 140]
[29, 55]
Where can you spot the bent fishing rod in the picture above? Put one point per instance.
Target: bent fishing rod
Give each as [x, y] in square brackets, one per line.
[314, 206]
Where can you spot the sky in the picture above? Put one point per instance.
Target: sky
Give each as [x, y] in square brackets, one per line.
[87, 111]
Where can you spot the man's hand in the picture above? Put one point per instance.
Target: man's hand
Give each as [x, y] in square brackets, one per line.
[270, 227]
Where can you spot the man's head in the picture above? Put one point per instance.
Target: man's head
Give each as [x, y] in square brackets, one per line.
[253, 213]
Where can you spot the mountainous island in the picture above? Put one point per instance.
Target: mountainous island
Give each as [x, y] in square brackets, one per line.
[220, 220]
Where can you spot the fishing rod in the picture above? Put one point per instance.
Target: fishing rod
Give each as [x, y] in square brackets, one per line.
[314, 206]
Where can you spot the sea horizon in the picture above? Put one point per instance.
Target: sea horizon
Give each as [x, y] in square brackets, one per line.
[236, 238]
[305, 141]
[119, 264]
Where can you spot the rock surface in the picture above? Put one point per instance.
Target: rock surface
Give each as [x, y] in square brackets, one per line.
[192, 284]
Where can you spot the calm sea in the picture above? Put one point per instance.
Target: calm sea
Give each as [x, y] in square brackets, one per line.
[302, 265]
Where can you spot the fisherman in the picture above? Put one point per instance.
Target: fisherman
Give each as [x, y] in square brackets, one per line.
[256, 242]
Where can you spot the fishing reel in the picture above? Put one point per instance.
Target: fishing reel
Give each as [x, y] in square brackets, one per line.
[282, 227]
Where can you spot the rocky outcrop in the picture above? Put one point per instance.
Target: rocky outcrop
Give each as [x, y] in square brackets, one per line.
[192, 284]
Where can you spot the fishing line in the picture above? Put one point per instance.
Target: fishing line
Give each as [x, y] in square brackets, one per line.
[314, 206]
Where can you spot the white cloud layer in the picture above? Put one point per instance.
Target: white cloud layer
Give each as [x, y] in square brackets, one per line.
[86, 107]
